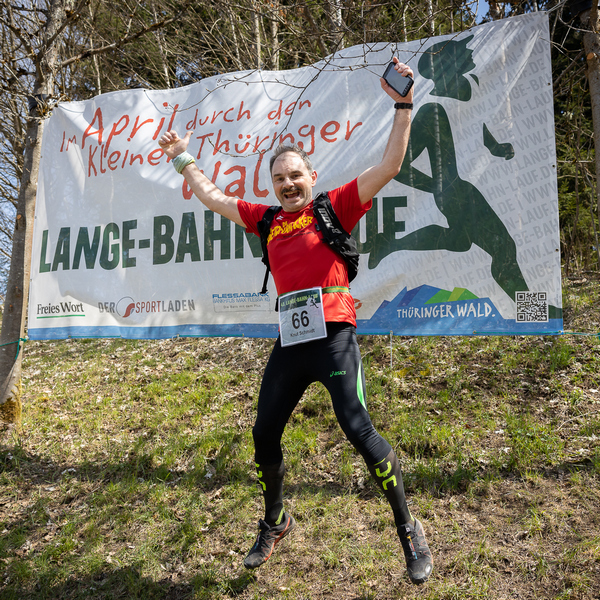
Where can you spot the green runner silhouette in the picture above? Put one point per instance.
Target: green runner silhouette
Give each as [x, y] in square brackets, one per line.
[471, 220]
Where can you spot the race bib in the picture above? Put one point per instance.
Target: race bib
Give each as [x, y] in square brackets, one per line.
[301, 316]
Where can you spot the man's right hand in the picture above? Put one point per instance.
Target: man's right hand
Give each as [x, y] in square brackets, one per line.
[172, 145]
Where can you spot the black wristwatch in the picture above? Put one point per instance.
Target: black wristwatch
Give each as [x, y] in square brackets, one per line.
[407, 105]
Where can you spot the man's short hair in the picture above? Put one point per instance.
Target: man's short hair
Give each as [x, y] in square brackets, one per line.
[294, 148]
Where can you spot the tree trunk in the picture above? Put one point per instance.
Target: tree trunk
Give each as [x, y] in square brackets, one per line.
[274, 37]
[257, 37]
[591, 45]
[15, 306]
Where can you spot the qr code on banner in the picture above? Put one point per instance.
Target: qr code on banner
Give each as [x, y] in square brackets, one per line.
[532, 307]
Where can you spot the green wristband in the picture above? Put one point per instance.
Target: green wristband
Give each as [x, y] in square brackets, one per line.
[181, 161]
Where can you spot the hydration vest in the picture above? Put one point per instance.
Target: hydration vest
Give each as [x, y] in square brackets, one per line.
[328, 223]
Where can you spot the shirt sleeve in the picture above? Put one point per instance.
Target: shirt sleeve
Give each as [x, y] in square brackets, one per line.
[251, 214]
[346, 204]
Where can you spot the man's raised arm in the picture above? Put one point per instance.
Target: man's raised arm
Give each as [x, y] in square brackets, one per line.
[374, 178]
[204, 189]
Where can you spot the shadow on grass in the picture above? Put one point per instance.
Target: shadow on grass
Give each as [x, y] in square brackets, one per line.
[128, 584]
[138, 465]
[429, 476]
[438, 481]
[208, 582]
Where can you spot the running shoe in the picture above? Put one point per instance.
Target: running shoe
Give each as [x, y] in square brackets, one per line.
[416, 551]
[267, 537]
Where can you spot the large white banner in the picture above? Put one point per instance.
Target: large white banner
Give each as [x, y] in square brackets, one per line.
[464, 240]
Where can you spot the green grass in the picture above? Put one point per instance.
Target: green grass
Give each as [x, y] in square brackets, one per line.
[133, 474]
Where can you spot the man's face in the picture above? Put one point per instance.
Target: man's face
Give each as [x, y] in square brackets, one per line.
[292, 182]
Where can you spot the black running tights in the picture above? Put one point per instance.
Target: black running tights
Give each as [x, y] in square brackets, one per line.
[334, 361]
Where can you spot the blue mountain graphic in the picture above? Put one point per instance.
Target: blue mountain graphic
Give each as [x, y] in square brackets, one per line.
[427, 310]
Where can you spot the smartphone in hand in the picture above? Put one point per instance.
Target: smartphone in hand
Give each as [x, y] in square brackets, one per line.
[396, 81]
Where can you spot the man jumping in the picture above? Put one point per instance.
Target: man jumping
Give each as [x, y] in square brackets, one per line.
[300, 262]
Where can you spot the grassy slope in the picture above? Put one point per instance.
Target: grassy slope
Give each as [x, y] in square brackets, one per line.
[133, 477]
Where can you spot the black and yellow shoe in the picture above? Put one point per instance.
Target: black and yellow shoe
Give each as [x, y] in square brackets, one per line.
[267, 537]
[416, 551]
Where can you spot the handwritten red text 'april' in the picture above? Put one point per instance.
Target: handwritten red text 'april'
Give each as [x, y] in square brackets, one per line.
[101, 160]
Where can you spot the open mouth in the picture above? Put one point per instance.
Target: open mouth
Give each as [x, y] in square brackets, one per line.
[292, 194]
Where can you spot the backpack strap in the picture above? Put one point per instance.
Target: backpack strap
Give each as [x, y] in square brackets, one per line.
[264, 226]
[334, 235]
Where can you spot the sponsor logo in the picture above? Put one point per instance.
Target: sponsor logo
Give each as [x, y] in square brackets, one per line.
[336, 373]
[127, 307]
[476, 309]
[59, 309]
[242, 296]
[241, 301]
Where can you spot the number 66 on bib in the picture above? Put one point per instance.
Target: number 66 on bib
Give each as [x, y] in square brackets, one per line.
[301, 316]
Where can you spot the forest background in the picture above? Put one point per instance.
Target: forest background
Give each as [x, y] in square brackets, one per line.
[63, 50]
